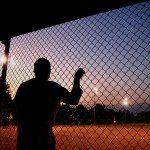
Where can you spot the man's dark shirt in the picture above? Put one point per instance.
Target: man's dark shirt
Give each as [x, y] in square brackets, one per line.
[36, 104]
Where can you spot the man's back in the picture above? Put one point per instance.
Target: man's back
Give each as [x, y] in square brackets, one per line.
[36, 103]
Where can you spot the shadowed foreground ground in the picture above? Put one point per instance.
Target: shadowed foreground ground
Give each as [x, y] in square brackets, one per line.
[89, 137]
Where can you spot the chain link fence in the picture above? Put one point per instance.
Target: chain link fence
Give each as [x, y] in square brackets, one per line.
[114, 50]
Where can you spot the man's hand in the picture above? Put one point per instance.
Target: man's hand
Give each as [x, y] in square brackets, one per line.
[79, 73]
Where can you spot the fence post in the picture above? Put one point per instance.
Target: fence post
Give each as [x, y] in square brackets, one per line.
[6, 42]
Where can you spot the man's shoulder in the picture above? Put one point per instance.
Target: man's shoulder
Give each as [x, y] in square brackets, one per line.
[52, 83]
[28, 82]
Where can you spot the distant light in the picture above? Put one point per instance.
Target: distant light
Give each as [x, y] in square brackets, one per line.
[95, 89]
[125, 102]
[126, 99]
[3, 59]
[10, 117]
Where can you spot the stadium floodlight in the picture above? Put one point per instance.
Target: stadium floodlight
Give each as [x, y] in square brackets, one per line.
[95, 90]
[125, 102]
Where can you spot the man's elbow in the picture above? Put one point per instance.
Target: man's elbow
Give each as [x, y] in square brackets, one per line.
[74, 103]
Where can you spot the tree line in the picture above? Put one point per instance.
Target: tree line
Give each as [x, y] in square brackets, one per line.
[99, 114]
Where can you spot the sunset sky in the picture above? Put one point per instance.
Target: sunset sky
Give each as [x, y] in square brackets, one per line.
[112, 47]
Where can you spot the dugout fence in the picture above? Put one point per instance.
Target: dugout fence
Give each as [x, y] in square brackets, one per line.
[114, 50]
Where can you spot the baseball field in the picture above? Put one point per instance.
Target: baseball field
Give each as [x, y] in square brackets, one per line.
[120, 137]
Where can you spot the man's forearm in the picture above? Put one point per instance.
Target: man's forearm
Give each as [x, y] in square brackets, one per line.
[76, 92]
[76, 83]
[74, 96]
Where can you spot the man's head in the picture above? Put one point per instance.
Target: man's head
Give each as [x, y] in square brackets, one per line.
[42, 69]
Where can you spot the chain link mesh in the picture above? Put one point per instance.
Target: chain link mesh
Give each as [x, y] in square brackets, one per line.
[114, 50]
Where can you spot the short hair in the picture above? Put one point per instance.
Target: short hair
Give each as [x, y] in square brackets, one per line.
[41, 65]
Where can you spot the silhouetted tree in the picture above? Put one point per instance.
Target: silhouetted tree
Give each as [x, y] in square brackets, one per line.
[80, 114]
[99, 113]
[64, 114]
[5, 98]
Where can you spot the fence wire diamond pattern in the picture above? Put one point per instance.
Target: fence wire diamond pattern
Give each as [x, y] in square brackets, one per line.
[114, 50]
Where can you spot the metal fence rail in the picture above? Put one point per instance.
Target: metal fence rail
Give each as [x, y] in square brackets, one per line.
[114, 49]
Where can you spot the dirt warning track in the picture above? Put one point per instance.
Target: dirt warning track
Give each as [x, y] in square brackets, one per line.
[103, 137]
[89, 137]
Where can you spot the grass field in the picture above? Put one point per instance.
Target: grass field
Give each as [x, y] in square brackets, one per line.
[126, 137]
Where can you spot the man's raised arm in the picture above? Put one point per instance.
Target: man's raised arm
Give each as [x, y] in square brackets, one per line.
[76, 91]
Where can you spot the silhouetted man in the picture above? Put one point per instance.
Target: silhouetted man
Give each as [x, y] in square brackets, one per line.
[36, 104]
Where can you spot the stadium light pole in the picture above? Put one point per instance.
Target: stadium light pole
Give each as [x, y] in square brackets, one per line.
[4, 60]
[114, 119]
[125, 103]
[95, 90]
